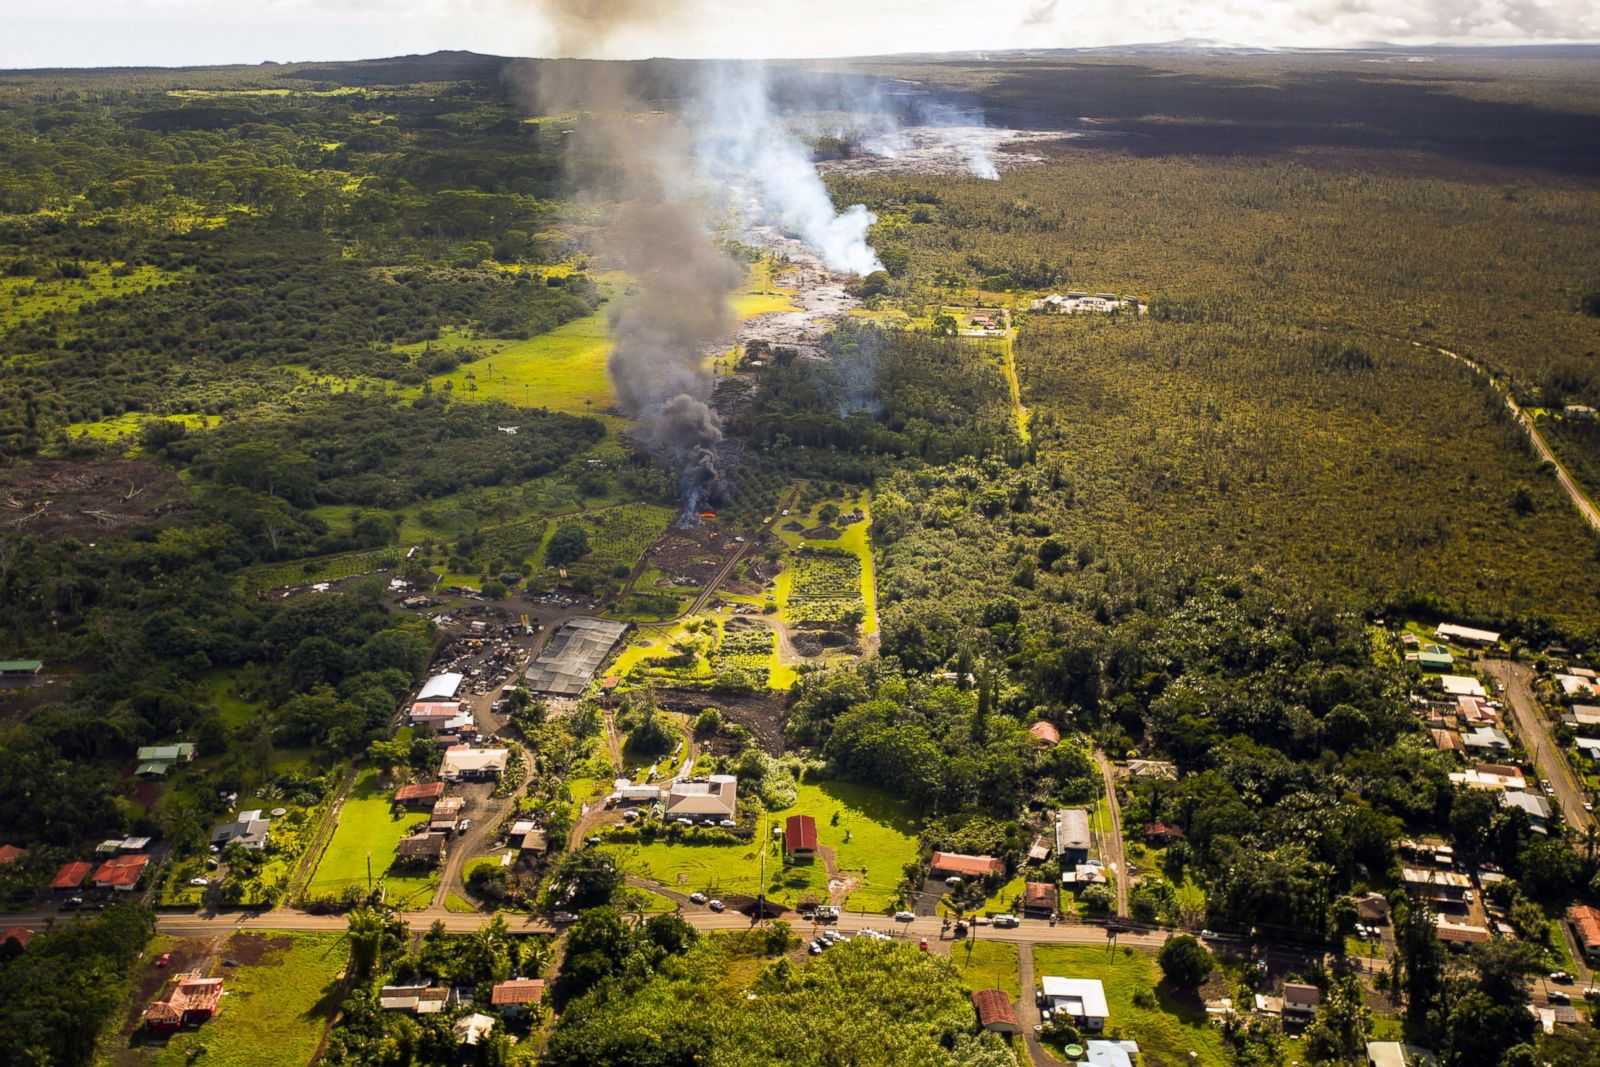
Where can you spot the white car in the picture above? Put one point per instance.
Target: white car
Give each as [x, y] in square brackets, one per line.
[199, 881]
[698, 898]
[716, 905]
[903, 916]
[1005, 921]
[564, 917]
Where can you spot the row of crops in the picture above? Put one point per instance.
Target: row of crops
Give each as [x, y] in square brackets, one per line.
[265, 576]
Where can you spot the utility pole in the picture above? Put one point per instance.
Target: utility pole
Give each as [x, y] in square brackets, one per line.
[761, 889]
[369, 874]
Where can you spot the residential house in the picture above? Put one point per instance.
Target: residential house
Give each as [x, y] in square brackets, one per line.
[1433, 661]
[1040, 899]
[1589, 746]
[472, 1029]
[463, 763]
[515, 996]
[1083, 1000]
[70, 878]
[156, 760]
[1151, 768]
[250, 833]
[1475, 711]
[20, 671]
[1072, 836]
[1044, 733]
[1582, 715]
[1450, 887]
[528, 836]
[1159, 833]
[419, 794]
[1576, 686]
[11, 854]
[192, 1000]
[1486, 739]
[20, 934]
[799, 839]
[1300, 1001]
[1090, 873]
[1372, 909]
[995, 1012]
[1447, 741]
[948, 864]
[702, 799]
[1491, 776]
[1581, 412]
[1584, 921]
[120, 873]
[421, 850]
[1537, 807]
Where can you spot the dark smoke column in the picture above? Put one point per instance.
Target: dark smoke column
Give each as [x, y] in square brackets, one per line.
[676, 307]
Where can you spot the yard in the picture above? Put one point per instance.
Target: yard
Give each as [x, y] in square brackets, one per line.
[873, 839]
[1167, 1032]
[277, 1002]
[988, 965]
[368, 827]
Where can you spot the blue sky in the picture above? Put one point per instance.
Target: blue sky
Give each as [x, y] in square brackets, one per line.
[181, 32]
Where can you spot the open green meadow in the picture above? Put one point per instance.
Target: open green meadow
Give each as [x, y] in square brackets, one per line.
[563, 369]
[276, 1003]
[1168, 1034]
[368, 826]
[23, 299]
[129, 423]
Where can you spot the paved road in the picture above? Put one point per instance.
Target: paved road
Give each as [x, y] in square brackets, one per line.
[1580, 499]
[1516, 680]
[1111, 843]
[1028, 1012]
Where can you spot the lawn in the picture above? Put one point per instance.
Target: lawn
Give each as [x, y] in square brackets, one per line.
[275, 1006]
[1166, 1031]
[873, 839]
[130, 423]
[988, 965]
[220, 689]
[367, 827]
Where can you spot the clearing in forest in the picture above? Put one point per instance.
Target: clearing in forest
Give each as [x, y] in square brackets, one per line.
[369, 826]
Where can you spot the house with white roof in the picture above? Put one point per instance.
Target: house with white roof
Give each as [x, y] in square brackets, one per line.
[1109, 1054]
[441, 687]
[1460, 685]
[464, 762]
[1466, 635]
[1083, 1000]
[703, 800]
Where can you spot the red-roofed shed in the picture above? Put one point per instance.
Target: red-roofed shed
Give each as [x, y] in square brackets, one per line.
[994, 1011]
[10, 854]
[800, 838]
[423, 794]
[20, 934]
[1044, 733]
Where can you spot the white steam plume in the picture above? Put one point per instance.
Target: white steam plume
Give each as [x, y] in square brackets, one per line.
[741, 141]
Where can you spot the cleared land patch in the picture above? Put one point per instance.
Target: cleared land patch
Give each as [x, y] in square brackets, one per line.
[368, 826]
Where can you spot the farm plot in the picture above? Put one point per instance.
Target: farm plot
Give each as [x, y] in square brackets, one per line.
[617, 537]
[264, 576]
[824, 586]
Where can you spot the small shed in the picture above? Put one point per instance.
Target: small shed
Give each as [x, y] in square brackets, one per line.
[800, 839]
[995, 1012]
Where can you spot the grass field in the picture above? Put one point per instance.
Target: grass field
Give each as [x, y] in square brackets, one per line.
[988, 965]
[1167, 1033]
[23, 299]
[873, 839]
[129, 423]
[274, 1009]
[367, 827]
[563, 370]
[220, 690]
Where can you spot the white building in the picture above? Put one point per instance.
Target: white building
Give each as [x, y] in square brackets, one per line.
[1083, 1000]
[1449, 631]
[440, 687]
[465, 762]
[1459, 685]
[707, 800]
[1109, 1054]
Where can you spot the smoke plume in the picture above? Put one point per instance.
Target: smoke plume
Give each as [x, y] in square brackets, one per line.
[652, 166]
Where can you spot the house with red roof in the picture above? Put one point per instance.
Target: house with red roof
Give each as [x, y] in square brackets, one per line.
[799, 839]
[994, 1011]
[1040, 899]
[192, 1001]
[945, 864]
[70, 878]
[121, 873]
[1585, 923]
[11, 854]
[20, 934]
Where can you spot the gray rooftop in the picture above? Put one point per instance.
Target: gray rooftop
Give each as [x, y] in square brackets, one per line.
[1072, 829]
[573, 654]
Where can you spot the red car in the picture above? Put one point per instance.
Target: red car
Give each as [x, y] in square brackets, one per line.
[164, 959]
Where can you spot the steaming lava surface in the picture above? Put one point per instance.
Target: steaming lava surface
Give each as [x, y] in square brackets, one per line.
[982, 151]
[821, 297]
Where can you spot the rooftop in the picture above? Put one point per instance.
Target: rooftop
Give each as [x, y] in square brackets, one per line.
[1080, 997]
[517, 991]
[440, 687]
[994, 1007]
[971, 866]
[1072, 829]
[420, 791]
[800, 832]
[568, 662]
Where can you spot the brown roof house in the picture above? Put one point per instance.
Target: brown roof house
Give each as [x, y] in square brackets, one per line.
[1040, 898]
[516, 996]
[703, 800]
[419, 794]
[1300, 1001]
[994, 1011]
[421, 850]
